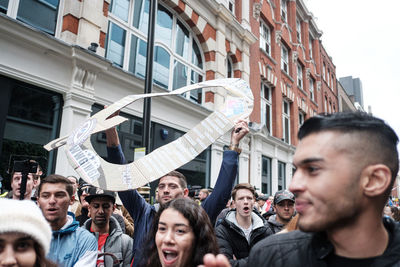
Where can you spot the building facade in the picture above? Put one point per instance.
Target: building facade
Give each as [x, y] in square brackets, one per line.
[354, 89]
[63, 60]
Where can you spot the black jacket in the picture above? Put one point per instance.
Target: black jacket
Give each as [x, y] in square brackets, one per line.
[232, 241]
[312, 249]
[275, 226]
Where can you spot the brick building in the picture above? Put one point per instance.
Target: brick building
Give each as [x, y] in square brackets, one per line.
[51, 81]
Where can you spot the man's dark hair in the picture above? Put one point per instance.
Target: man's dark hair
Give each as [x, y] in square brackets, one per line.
[180, 176]
[379, 141]
[243, 186]
[57, 179]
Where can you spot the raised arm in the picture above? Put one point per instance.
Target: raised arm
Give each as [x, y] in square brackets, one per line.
[216, 202]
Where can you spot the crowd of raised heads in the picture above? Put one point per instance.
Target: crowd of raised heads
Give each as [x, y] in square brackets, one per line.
[337, 210]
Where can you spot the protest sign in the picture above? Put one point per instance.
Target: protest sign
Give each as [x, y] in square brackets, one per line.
[92, 168]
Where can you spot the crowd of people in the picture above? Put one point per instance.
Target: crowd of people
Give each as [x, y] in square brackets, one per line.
[335, 211]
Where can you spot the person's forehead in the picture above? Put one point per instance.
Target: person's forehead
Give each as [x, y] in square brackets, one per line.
[172, 216]
[169, 180]
[243, 192]
[50, 187]
[101, 200]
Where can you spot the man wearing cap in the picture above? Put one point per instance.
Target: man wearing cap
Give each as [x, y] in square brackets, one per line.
[284, 210]
[114, 246]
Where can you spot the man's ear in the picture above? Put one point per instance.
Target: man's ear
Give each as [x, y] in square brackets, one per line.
[185, 192]
[71, 201]
[375, 179]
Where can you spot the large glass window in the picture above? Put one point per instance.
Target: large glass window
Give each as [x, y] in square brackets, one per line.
[178, 59]
[41, 14]
[229, 68]
[286, 121]
[266, 178]
[265, 38]
[3, 6]
[266, 106]
[284, 10]
[31, 120]
[301, 118]
[298, 30]
[284, 59]
[312, 94]
[116, 44]
[310, 46]
[281, 175]
[299, 76]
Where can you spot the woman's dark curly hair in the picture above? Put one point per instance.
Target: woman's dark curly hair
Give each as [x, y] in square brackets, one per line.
[204, 242]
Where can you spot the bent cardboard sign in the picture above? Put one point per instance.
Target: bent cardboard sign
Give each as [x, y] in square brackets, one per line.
[92, 168]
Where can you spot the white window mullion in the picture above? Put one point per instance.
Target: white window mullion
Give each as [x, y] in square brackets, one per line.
[13, 8]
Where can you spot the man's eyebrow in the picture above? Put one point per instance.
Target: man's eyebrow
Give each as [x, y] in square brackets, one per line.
[308, 161]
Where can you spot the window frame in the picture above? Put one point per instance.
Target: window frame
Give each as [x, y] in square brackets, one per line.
[310, 46]
[284, 60]
[286, 116]
[265, 41]
[174, 58]
[264, 103]
[281, 174]
[302, 118]
[284, 10]
[300, 81]
[298, 30]
[311, 89]
[267, 177]
[13, 8]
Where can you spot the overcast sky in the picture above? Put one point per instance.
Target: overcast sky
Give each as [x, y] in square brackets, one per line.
[363, 38]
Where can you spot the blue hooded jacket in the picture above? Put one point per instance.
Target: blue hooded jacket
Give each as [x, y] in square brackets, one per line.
[72, 245]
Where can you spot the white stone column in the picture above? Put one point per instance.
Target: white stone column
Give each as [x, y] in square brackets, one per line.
[246, 15]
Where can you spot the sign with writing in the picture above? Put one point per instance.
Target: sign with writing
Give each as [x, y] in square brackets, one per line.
[92, 168]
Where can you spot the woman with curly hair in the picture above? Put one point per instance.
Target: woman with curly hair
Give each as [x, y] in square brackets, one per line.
[180, 236]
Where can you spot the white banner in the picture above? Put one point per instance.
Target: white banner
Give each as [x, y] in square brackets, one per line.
[92, 168]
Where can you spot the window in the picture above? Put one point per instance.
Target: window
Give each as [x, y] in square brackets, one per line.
[298, 30]
[332, 82]
[310, 45]
[266, 176]
[286, 121]
[323, 71]
[266, 106]
[284, 59]
[281, 175]
[31, 121]
[229, 68]
[299, 76]
[178, 59]
[301, 118]
[41, 14]
[284, 10]
[325, 104]
[312, 95]
[328, 77]
[265, 38]
[3, 6]
[231, 6]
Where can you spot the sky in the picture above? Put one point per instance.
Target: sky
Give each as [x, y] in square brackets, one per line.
[363, 39]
